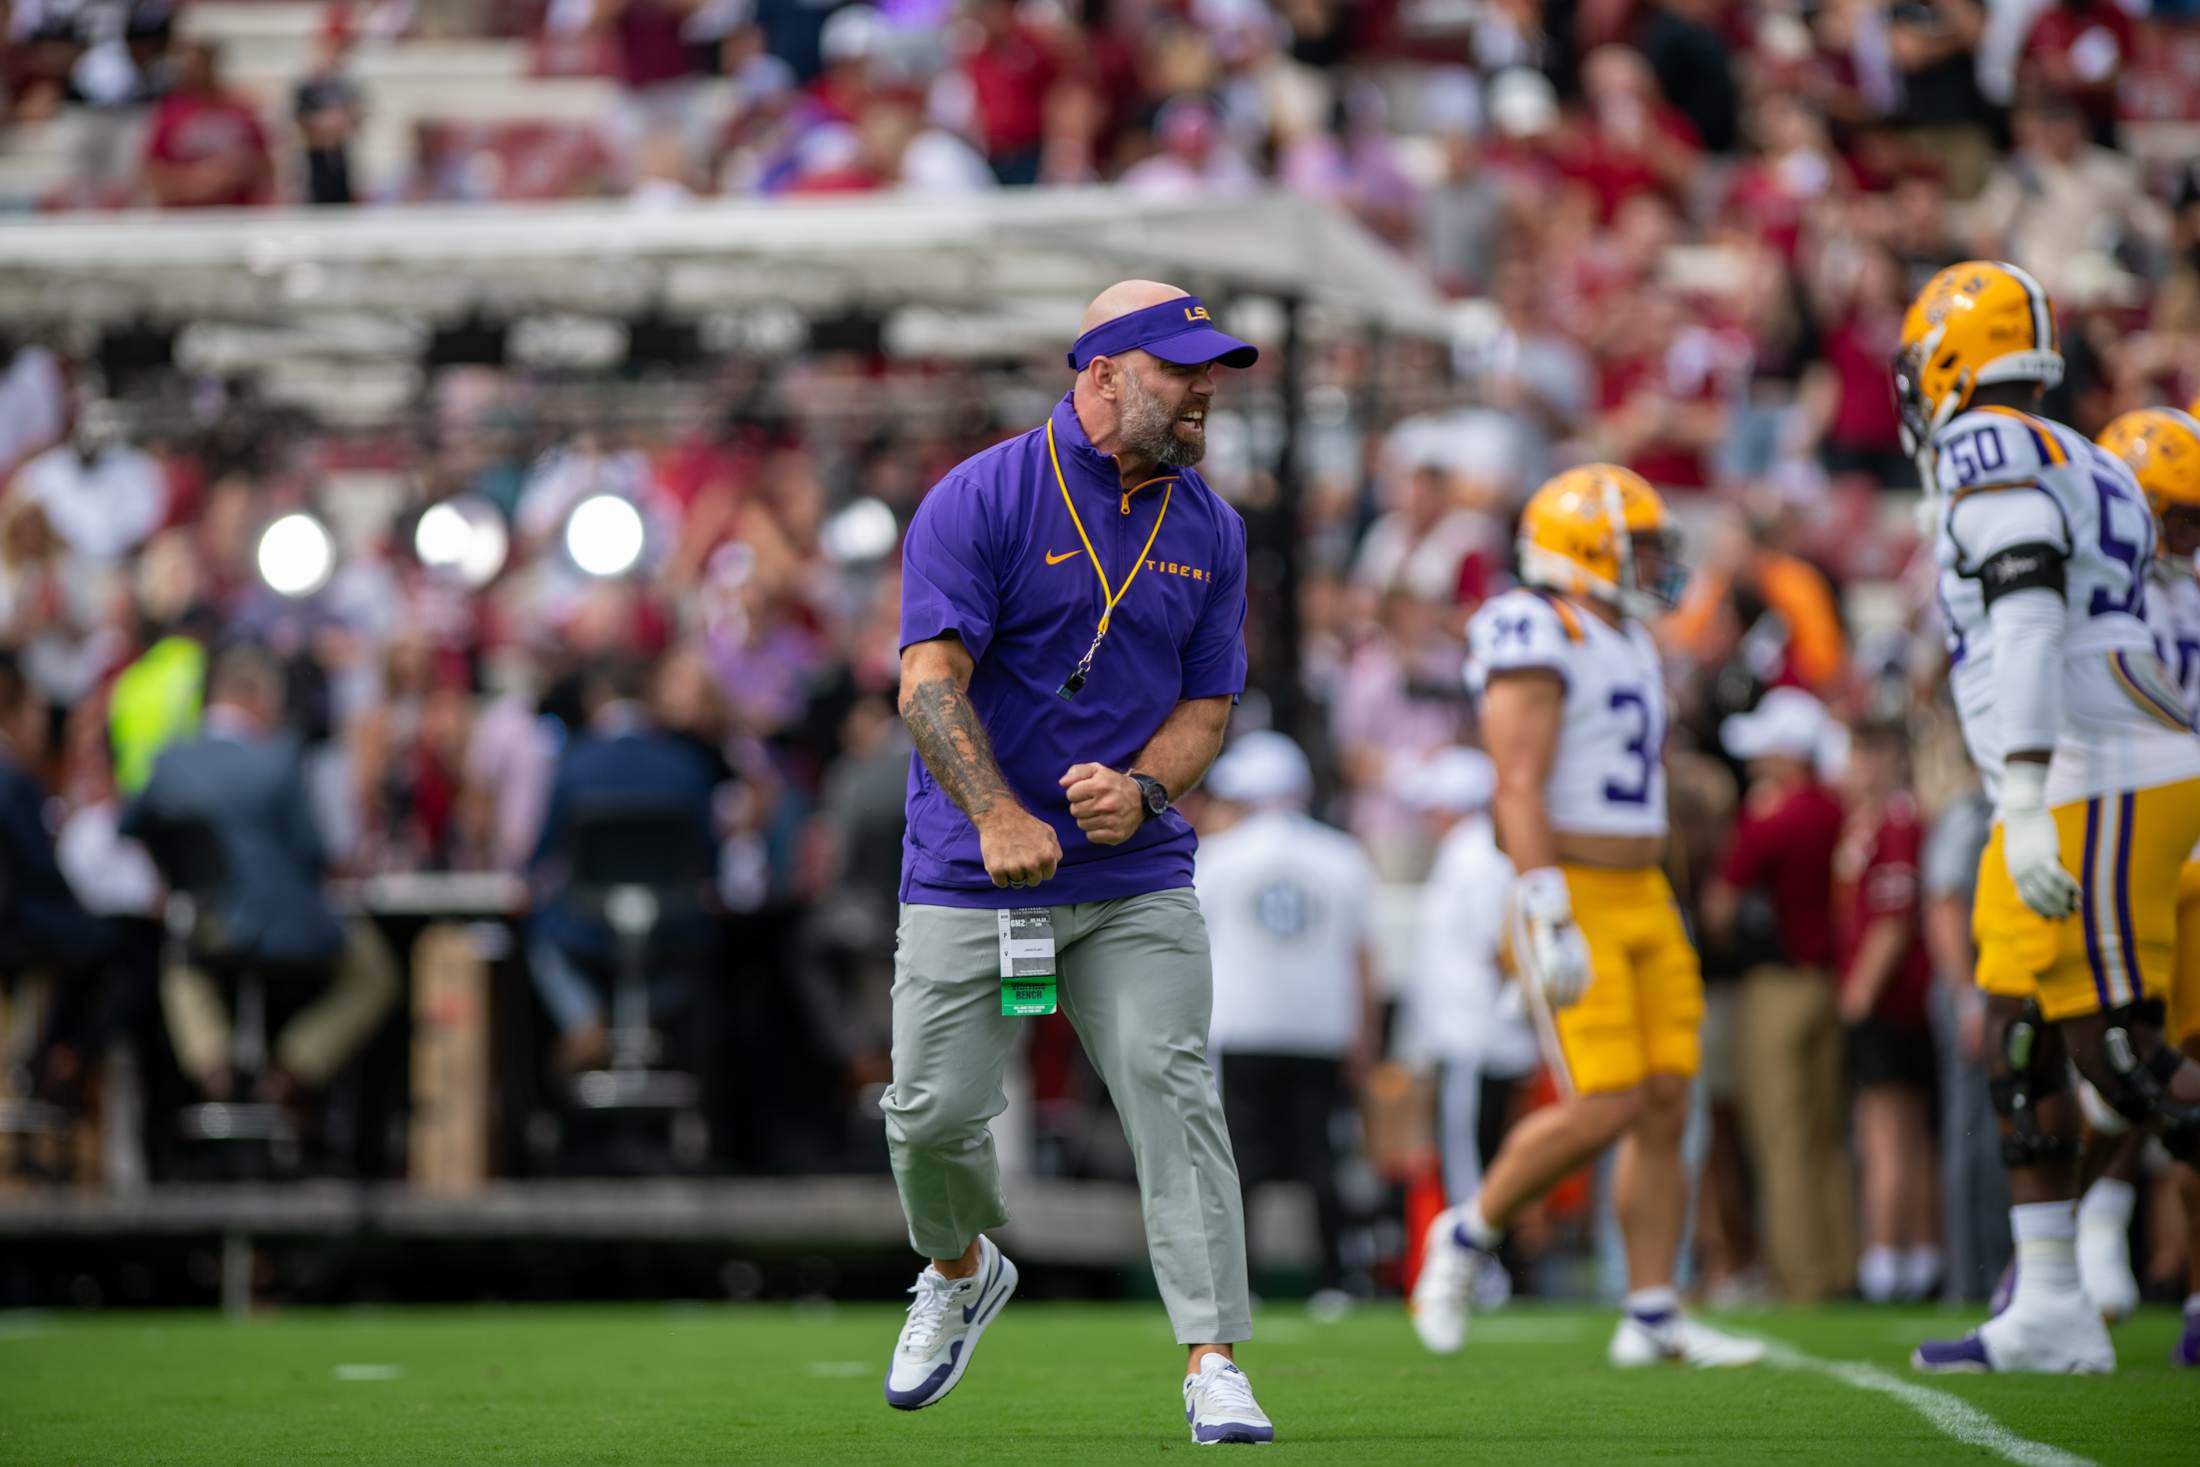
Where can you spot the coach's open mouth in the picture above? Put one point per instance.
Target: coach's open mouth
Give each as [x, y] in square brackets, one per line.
[1195, 420]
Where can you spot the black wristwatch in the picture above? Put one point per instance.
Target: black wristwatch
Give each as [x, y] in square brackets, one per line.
[1153, 792]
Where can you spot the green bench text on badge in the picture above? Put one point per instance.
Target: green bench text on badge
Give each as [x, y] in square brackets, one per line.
[1026, 998]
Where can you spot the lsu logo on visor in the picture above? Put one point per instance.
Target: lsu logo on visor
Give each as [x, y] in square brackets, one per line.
[1196, 313]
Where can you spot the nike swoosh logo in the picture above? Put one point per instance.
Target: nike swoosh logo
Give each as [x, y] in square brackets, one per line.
[1053, 559]
[970, 1311]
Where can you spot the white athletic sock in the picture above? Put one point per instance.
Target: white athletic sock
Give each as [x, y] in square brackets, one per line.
[2192, 1303]
[1878, 1274]
[1652, 1306]
[2107, 1203]
[2046, 1235]
[1474, 1230]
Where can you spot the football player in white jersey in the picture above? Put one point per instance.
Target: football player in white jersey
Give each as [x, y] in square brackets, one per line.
[2162, 446]
[2044, 544]
[1574, 714]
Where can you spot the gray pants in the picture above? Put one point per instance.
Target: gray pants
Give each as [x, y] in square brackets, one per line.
[1134, 978]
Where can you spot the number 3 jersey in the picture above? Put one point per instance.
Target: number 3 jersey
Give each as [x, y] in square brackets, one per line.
[2010, 483]
[1608, 777]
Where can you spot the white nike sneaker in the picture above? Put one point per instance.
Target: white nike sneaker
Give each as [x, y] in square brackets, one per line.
[1445, 1289]
[1219, 1404]
[942, 1331]
[2060, 1334]
[1675, 1339]
[2104, 1268]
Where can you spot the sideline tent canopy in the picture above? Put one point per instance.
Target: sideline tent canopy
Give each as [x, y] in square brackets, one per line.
[978, 254]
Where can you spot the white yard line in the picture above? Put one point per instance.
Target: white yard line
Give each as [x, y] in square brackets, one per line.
[1952, 1415]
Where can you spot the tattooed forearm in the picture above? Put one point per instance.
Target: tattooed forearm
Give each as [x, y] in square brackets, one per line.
[954, 747]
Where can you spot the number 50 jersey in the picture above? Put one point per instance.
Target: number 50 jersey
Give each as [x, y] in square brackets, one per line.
[1608, 775]
[2010, 482]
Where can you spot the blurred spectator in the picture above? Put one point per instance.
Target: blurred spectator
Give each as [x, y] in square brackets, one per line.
[1297, 1016]
[1770, 907]
[1920, 233]
[1932, 45]
[1631, 140]
[1974, 1187]
[43, 926]
[657, 66]
[1682, 41]
[2078, 48]
[100, 493]
[242, 777]
[1010, 74]
[2060, 200]
[1755, 617]
[1884, 976]
[619, 758]
[1433, 546]
[327, 109]
[1459, 1012]
[844, 966]
[408, 756]
[1846, 407]
[1195, 160]
[1400, 699]
[204, 148]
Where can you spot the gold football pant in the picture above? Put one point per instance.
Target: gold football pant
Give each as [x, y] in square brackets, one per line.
[2128, 850]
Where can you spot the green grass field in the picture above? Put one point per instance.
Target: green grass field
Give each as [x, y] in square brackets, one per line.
[1052, 1383]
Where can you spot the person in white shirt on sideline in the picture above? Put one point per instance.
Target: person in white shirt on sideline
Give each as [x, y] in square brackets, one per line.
[1297, 1019]
[1460, 1014]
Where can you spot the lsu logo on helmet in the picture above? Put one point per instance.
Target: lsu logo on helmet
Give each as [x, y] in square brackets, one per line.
[2162, 446]
[1973, 324]
[1602, 531]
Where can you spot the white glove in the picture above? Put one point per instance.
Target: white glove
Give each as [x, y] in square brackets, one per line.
[2031, 847]
[1553, 953]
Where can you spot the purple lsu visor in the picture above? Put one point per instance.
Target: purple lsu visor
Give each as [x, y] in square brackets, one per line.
[1178, 331]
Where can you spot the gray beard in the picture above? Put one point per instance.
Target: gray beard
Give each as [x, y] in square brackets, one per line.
[1149, 428]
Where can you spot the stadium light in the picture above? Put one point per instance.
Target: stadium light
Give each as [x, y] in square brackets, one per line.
[297, 555]
[604, 536]
[463, 537]
[865, 530]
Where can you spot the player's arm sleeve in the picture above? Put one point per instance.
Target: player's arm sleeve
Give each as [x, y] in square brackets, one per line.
[1214, 659]
[2016, 543]
[948, 577]
[1517, 632]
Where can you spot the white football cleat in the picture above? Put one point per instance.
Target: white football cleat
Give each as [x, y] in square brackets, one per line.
[1444, 1291]
[2059, 1335]
[1675, 1339]
[942, 1330]
[1219, 1404]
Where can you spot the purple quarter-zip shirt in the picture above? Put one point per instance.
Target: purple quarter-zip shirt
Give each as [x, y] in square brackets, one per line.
[994, 556]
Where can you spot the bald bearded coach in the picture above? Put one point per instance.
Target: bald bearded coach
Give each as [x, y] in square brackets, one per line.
[1072, 629]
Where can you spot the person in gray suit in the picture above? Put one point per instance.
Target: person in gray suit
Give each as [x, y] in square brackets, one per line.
[243, 776]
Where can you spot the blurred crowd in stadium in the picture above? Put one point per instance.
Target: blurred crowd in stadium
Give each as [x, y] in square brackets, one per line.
[1689, 228]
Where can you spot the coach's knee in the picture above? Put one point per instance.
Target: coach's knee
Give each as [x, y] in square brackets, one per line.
[922, 1118]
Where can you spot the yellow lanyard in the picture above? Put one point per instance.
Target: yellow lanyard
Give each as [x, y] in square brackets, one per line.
[1114, 597]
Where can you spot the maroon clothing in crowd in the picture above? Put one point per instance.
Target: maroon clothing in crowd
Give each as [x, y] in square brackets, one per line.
[1010, 76]
[1783, 845]
[1875, 876]
[193, 129]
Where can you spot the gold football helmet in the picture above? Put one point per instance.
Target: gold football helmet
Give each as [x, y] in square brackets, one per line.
[2162, 445]
[1602, 531]
[1973, 324]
